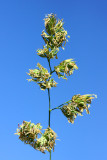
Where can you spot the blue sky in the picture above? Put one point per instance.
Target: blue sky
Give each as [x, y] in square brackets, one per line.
[21, 23]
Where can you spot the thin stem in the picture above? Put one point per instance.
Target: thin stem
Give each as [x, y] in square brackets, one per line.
[59, 107]
[50, 155]
[49, 106]
[49, 101]
[52, 71]
[49, 65]
[55, 108]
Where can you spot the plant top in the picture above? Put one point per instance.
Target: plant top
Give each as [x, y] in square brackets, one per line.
[54, 36]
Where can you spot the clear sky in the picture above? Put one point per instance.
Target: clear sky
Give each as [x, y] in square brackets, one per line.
[21, 23]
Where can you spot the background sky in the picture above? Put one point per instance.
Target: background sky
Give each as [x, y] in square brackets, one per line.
[21, 24]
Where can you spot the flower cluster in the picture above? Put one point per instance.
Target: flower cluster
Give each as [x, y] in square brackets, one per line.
[47, 140]
[45, 52]
[41, 77]
[28, 133]
[65, 67]
[54, 36]
[76, 106]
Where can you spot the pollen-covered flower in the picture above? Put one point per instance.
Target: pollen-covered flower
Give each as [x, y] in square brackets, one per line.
[41, 77]
[28, 133]
[47, 140]
[76, 106]
[66, 67]
[54, 35]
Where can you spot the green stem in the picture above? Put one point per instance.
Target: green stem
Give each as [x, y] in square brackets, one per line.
[50, 155]
[49, 106]
[55, 108]
[59, 107]
[52, 71]
[49, 101]
[49, 65]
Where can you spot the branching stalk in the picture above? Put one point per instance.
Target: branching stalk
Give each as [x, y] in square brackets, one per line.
[52, 71]
[59, 107]
[55, 108]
